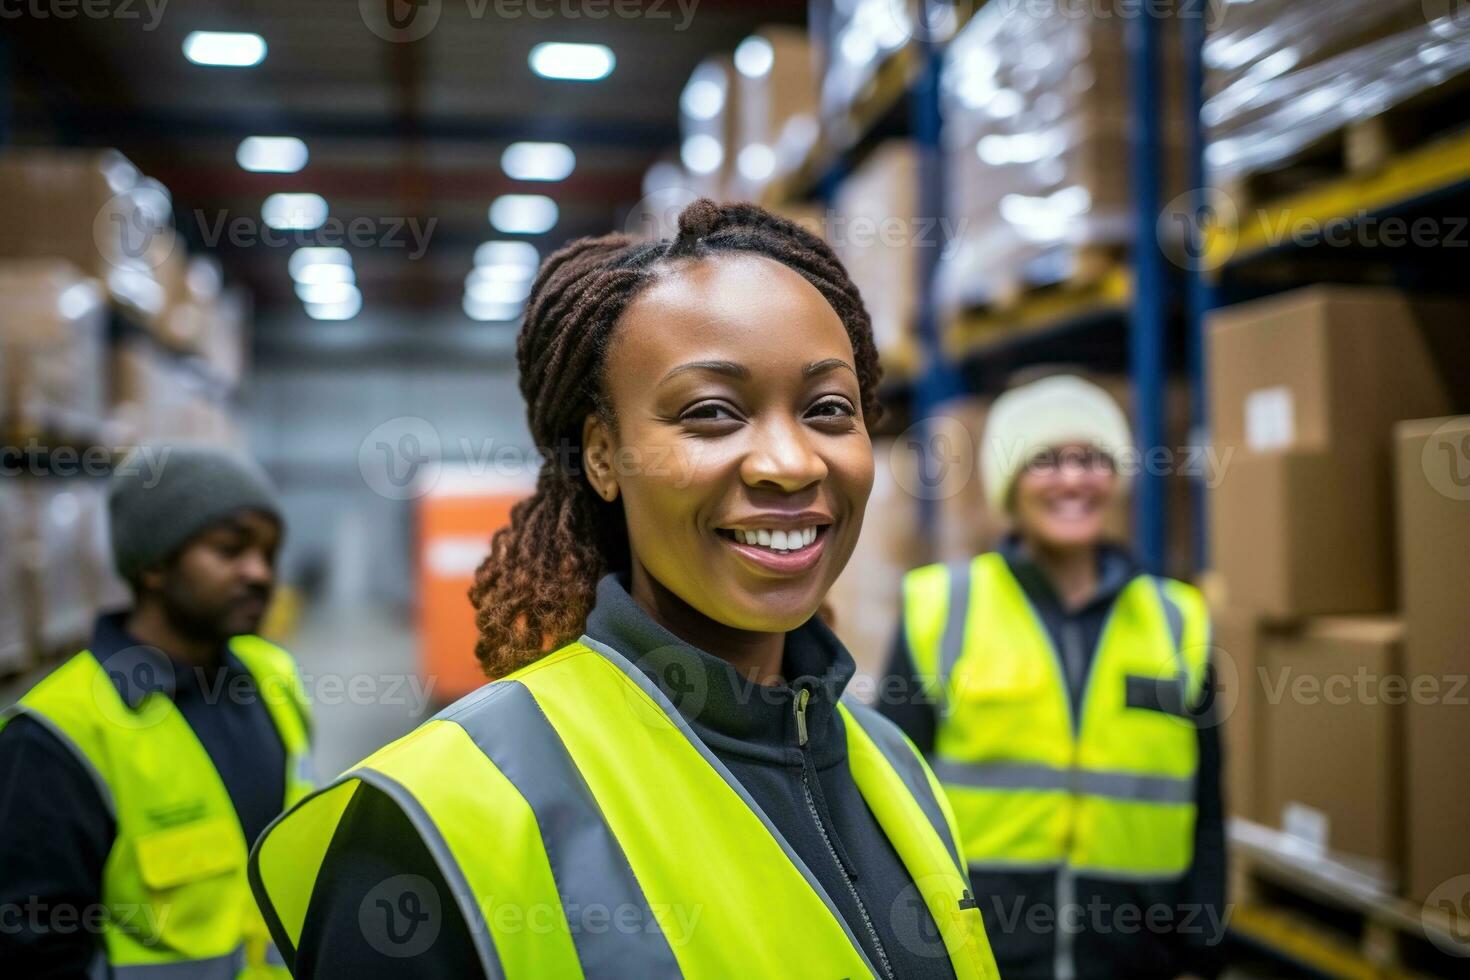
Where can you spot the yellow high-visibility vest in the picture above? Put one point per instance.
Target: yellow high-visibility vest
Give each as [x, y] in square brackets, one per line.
[1109, 793]
[174, 884]
[584, 829]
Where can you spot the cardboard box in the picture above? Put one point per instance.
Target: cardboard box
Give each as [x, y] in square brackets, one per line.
[1433, 484]
[1240, 696]
[1303, 533]
[1334, 694]
[1332, 366]
[709, 109]
[874, 228]
[778, 109]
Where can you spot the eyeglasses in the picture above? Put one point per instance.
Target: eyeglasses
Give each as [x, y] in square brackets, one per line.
[1087, 460]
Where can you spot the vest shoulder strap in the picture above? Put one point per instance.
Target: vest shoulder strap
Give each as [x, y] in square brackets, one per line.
[64, 703]
[275, 673]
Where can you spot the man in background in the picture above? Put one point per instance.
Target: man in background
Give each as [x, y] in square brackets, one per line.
[135, 777]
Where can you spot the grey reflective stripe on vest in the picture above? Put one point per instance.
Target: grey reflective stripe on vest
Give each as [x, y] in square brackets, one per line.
[225, 967]
[1175, 616]
[1085, 782]
[103, 790]
[648, 687]
[464, 896]
[890, 741]
[587, 862]
[952, 641]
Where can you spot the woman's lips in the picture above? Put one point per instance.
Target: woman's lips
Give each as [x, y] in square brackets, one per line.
[781, 562]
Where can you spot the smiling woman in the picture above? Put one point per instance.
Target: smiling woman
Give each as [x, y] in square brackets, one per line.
[661, 780]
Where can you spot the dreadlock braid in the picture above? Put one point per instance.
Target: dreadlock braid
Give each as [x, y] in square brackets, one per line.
[533, 591]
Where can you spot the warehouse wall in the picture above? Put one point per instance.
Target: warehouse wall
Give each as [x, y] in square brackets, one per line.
[307, 424]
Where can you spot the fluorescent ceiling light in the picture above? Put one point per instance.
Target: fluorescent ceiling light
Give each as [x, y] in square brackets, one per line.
[503, 273]
[574, 62]
[319, 293]
[495, 290]
[271, 154]
[538, 161]
[523, 214]
[702, 99]
[294, 211]
[754, 57]
[224, 49]
[344, 310]
[316, 274]
[508, 253]
[312, 255]
[702, 154]
[487, 311]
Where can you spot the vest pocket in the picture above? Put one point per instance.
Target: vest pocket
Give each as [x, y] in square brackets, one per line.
[192, 852]
[1163, 694]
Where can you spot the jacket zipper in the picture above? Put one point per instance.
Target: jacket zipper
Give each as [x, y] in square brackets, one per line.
[802, 697]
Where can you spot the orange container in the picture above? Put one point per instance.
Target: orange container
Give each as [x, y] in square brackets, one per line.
[455, 522]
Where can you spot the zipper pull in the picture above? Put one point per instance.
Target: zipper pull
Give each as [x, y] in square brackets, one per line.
[802, 697]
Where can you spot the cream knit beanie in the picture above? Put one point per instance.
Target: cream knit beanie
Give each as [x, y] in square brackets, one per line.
[1044, 414]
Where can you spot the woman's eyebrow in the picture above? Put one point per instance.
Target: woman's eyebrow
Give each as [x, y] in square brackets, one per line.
[729, 368]
[821, 367]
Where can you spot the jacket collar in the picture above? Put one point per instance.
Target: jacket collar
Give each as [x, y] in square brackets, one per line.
[1116, 568]
[729, 712]
[138, 670]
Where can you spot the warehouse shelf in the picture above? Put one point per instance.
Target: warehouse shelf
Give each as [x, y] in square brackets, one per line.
[1440, 168]
[985, 331]
[1331, 915]
[125, 326]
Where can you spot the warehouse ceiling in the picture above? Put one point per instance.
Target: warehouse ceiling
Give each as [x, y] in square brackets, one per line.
[405, 136]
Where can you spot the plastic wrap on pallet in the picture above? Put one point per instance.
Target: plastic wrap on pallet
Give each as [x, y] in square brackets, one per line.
[53, 334]
[15, 605]
[1035, 100]
[777, 124]
[709, 111]
[1282, 74]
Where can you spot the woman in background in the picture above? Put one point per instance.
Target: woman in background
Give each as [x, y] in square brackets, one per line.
[1062, 696]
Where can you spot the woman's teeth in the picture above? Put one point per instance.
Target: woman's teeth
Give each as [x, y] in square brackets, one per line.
[778, 540]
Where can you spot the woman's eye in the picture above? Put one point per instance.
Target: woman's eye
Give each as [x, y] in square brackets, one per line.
[832, 408]
[707, 412]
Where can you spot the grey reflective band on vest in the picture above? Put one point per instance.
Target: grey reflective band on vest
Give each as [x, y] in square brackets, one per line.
[648, 687]
[464, 896]
[103, 790]
[225, 967]
[1084, 782]
[901, 757]
[587, 862]
[1175, 616]
[952, 641]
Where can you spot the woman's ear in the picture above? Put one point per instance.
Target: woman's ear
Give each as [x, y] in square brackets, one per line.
[597, 455]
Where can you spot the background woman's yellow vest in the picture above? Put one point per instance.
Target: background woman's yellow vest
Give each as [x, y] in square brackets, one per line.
[1110, 792]
[580, 750]
[174, 883]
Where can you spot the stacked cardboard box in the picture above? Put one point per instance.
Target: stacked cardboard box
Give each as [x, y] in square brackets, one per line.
[876, 229]
[1433, 501]
[1306, 389]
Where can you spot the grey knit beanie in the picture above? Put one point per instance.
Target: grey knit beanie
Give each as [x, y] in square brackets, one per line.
[161, 496]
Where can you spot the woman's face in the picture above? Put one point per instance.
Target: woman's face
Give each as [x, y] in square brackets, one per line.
[1063, 496]
[738, 446]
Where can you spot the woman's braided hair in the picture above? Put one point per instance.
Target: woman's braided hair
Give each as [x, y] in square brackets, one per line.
[533, 592]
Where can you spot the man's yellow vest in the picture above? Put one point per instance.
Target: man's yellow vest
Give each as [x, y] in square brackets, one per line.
[584, 830]
[174, 884]
[1110, 793]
